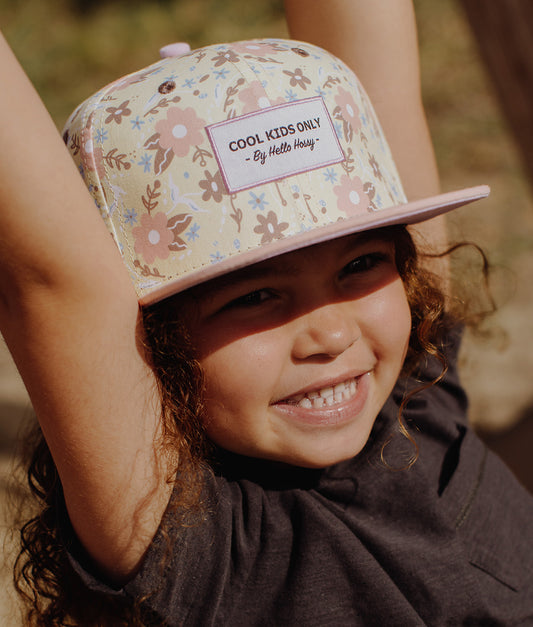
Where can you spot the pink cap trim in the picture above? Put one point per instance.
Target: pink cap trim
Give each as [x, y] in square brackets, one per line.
[409, 213]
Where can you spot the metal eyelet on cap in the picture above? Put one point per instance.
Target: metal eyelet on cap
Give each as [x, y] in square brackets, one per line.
[166, 87]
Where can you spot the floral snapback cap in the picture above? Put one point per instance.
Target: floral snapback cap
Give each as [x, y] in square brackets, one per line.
[227, 155]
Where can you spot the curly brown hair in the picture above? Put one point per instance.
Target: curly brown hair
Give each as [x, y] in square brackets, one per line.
[43, 573]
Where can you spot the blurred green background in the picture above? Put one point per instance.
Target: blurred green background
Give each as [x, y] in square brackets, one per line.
[70, 48]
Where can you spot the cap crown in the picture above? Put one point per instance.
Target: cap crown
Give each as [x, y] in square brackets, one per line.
[230, 154]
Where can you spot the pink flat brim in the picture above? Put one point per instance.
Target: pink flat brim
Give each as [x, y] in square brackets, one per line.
[408, 213]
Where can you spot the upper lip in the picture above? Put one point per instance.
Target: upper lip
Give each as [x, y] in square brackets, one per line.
[325, 383]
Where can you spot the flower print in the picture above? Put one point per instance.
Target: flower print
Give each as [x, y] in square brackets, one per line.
[216, 257]
[297, 78]
[122, 83]
[116, 113]
[178, 224]
[224, 56]
[375, 167]
[213, 186]
[330, 175]
[101, 135]
[153, 237]
[257, 201]
[351, 196]
[370, 190]
[290, 95]
[192, 234]
[257, 48]
[130, 215]
[255, 98]
[181, 129]
[348, 111]
[222, 73]
[136, 123]
[374, 202]
[269, 227]
[150, 200]
[174, 136]
[300, 51]
[92, 156]
[145, 162]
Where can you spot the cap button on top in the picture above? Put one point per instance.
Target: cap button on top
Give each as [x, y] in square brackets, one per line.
[174, 50]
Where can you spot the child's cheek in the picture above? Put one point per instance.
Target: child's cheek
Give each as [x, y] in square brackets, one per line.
[386, 322]
[242, 371]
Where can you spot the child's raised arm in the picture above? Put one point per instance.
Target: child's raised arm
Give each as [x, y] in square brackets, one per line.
[69, 315]
[378, 40]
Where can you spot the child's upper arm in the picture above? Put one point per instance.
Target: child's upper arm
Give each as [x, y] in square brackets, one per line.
[70, 318]
[378, 40]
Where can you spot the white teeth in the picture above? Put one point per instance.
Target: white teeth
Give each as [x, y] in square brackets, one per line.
[327, 397]
[326, 392]
[339, 388]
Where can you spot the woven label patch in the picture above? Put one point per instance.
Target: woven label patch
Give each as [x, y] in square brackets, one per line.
[274, 143]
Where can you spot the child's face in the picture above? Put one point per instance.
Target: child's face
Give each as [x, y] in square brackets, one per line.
[330, 321]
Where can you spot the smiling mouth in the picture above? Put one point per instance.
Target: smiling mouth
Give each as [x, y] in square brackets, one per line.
[330, 406]
[326, 397]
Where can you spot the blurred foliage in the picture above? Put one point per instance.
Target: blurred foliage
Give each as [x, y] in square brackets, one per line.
[71, 48]
[472, 140]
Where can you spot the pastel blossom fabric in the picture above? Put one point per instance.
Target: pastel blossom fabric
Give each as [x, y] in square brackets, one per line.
[142, 147]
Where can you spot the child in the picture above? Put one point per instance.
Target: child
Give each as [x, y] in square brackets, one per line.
[233, 454]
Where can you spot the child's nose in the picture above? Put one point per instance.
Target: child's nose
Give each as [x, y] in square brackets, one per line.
[327, 331]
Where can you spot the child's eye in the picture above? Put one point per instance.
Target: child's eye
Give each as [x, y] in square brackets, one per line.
[364, 263]
[252, 299]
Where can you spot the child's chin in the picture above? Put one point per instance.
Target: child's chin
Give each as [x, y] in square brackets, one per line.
[321, 459]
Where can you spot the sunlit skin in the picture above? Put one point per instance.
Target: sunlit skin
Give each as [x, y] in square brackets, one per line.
[268, 335]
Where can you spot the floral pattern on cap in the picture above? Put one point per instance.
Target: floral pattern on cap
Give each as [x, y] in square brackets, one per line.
[351, 195]
[180, 130]
[142, 147]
